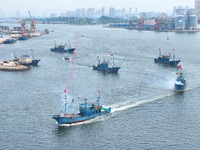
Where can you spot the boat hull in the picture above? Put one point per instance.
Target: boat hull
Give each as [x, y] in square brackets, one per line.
[179, 88]
[23, 38]
[70, 50]
[10, 41]
[172, 63]
[34, 62]
[108, 70]
[13, 67]
[78, 118]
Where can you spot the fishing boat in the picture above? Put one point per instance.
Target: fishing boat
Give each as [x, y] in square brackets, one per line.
[63, 48]
[166, 60]
[180, 83]
[10, 41]
[24, 37]
[86, 112]
[27, 60]
[104, 66]
[66, 58]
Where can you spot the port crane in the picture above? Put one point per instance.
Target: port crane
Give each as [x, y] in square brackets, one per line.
[158, 21]
[131, 22]
[23, 23]
[141, 20]
[32, 28]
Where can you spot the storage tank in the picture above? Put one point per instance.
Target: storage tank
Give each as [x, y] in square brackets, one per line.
[192, 22]
[25, 59]
[180, 22]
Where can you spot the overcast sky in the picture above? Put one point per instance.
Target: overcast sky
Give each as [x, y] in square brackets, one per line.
[40, 6]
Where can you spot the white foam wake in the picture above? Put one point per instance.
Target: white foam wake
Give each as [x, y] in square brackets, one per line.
[127, 105]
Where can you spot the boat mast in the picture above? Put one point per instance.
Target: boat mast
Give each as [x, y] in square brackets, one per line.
[85, 102]
[69, 44]
[70, 106]
[98, 59]
[113, 61]
[173, 55]
[32, 53]
[159, 52]
[65, 103]
[64, 107]
[98, 99]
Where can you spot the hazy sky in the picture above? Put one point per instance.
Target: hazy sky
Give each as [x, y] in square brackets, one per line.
[40, 6]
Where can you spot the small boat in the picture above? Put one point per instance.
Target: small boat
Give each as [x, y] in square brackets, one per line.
[46, 31]
[165, 59]
[62, 48]
[180, 83]
[10, 41]
[86, 112]
[66, 58]
[104, 66]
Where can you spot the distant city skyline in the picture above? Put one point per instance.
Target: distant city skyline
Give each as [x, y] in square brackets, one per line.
[39, 8]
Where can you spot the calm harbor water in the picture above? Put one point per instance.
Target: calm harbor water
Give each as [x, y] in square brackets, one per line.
[146, 112]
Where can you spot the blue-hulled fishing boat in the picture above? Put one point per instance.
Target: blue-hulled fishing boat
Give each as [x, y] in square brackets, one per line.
[104, 66]
[63, 48]
[10, 41]
[180, 83]
[24, 37]
[86, 112]
[165, 59]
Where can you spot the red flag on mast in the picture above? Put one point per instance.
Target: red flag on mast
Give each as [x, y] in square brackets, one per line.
[180, 67]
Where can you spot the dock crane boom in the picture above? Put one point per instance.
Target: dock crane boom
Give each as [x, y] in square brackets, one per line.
[131, 22]
[23, 23]
[141, 20]
[158, 21]
[32, 28]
